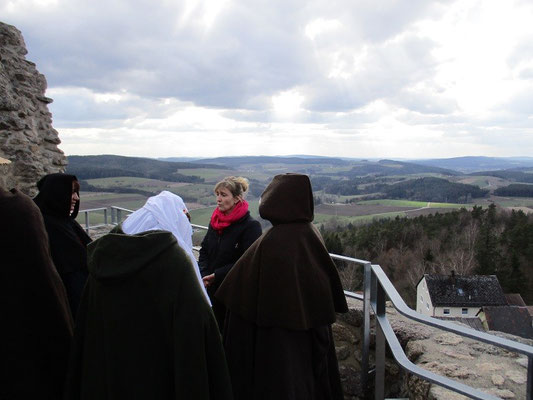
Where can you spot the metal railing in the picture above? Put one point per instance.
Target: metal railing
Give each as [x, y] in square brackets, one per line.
[117, 215]
[376, 289]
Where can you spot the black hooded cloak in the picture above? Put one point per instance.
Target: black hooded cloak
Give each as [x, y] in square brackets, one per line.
[282, 297]
[68, 240]
[144, 328]
[35, 317]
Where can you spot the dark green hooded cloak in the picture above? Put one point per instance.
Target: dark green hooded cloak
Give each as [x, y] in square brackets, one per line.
[144, 328]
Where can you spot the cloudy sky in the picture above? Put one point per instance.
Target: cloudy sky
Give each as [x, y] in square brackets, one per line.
[350, 78]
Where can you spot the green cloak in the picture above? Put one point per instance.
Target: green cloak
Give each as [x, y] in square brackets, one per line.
[144, 328]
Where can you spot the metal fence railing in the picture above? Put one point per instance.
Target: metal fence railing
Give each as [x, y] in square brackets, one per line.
[102, 215]
[377, 288]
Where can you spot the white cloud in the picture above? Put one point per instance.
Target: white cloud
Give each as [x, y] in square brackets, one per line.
[342, 77]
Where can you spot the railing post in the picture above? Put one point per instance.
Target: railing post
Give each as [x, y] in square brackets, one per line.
[366, 327]
[105, 215]
[529, 395]
[86, 221]
[379, 388]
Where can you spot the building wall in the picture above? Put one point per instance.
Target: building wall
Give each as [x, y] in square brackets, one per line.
[423, 301]
[470, 312]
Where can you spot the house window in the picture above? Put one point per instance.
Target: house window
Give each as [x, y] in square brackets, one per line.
[446, 311]
[464, 311]
[427, 306]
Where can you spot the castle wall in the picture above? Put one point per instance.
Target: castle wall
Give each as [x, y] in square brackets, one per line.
[27, 138]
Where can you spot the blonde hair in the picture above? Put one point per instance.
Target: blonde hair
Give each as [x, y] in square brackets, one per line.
[237, 185]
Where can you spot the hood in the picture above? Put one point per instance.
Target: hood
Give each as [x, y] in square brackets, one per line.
[55, 194]
[117, 256]
[288, 198]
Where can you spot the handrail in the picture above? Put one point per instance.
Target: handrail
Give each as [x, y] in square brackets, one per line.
[381, 287]
[116, 216]
[408, 312]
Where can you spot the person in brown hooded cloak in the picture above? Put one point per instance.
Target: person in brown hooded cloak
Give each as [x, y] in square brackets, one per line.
[36, 322]
[282, 297]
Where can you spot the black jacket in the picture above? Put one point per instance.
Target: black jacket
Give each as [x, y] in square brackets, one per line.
[220, 252]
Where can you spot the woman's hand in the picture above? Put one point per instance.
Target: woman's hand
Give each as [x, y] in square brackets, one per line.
[208, 280]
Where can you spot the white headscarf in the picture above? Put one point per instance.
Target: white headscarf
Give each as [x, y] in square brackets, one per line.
[166, 212]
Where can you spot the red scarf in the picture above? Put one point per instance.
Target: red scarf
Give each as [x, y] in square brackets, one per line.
[219, 221]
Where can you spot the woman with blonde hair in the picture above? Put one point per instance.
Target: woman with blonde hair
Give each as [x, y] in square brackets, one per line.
[231, 231]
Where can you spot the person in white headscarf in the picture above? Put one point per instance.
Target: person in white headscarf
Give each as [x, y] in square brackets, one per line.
[165, 212]
[145, 328]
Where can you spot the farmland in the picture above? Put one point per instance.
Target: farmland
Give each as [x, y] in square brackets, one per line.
[332, 208]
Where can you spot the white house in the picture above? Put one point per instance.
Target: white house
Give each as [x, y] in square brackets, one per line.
[457, 296]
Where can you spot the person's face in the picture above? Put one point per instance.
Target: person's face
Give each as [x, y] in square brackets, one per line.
[73, 199]
[225, 200]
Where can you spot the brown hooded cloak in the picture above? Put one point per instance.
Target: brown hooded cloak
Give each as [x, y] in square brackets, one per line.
[282, 296]
[36, 321]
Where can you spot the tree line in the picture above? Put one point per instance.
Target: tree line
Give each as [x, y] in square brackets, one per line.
[478, 241]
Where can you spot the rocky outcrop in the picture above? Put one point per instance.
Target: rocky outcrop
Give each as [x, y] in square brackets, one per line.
[491, 369]
[27, 137]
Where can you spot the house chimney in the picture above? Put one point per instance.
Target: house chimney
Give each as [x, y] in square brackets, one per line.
[452, 277]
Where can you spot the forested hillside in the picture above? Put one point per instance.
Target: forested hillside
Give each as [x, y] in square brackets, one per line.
[420, 189]
[105, 166]
[434, 190]
[511, 175]
[516, 189]
[480, 241]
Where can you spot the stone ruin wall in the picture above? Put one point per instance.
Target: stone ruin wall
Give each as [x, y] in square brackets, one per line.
[491, 369]
[28, 142]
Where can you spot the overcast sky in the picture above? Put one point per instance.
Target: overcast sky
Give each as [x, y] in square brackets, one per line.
[350, 78]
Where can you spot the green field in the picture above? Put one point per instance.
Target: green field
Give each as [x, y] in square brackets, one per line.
[408, 203]
[210, 175]
[360, 219]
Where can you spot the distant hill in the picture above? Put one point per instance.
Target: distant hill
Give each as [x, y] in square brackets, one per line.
[474, 163]
[515, 190]
[178, 159]
[105, 166]
[237, 161]
[391, 167]
[509, 174]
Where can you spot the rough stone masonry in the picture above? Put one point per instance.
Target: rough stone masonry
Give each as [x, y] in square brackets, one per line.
[28, 142]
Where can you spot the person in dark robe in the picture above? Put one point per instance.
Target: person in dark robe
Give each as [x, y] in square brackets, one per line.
[231, 231]
[59, 202]
[282, 297]
[145, 328]
[36, 323]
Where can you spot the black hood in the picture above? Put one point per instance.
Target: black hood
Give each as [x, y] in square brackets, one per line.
[55, 194]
